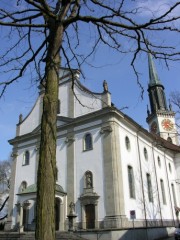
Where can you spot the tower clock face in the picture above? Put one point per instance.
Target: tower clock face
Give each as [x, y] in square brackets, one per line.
[167, 124]
[154, 127]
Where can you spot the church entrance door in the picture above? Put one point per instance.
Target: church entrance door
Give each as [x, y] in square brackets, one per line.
[90, 216]
[25, 218]
[57, 213]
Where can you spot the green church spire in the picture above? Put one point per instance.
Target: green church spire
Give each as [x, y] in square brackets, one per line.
[153, 76]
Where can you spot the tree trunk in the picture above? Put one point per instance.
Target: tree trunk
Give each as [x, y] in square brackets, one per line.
[45, 221]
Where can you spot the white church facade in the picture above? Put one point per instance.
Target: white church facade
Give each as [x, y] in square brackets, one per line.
[110, 170]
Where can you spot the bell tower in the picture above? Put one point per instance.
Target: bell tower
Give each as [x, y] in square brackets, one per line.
[161, 118]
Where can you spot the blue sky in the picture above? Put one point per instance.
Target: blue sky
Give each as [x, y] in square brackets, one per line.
[110, 66]
[122, 84]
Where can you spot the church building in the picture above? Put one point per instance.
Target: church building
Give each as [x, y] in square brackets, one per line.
[111, 172]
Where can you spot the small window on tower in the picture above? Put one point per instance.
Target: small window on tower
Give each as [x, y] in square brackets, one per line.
[159, 161]
[145, 154]
[170, 169]
[87, 142]
[127, 142]
[26, 158]
[149, 187]
[169, 139]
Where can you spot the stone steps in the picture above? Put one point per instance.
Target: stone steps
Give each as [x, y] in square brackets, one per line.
[31, 236]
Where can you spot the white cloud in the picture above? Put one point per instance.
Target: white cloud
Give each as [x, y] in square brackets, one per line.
[154, 8]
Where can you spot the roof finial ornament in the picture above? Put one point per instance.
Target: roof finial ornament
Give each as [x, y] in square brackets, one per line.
[105, 86]
[170, 105]
[20, 118]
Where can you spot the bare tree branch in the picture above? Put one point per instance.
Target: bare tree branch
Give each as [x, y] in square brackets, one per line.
[43, 34]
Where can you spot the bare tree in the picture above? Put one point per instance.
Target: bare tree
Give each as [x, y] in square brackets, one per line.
[44, 34]
[175, 100]
[5, 175]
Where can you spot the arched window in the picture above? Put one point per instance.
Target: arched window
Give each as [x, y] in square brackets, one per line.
[149, 187]
[170, 169]
[159, 161]
[23, 186]
[87, 142]
[145, 154]
[26, 158]
[163, 191]
[174, 194]
[127, 142]
[169, 139]
[131, 182]
[88, 179]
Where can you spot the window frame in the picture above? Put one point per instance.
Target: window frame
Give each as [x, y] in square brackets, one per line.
[26, 158]
[131, 182]
[170, 168]
[173, 194]
[145, 153]
[87, 142]
[127, 143]
[149, 187]
[159, 161]
[163, 194]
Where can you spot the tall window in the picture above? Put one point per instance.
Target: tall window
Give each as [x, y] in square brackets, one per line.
[145, 154]
[163, 191]
[127, 142]
[149, 187]
[174, 194]
[26, 158]
[131, 182]
[170, 169]
[88, 142]
[159, 161]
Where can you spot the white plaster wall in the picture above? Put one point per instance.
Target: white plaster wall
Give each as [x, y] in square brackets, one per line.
[131, 158]
[172, 176]
[86, 102]
[33, 119]
[61, 162]
[63, 97]
[177, 166]
[152, 209]
[88, 125]
[164, 174]
[24, 173]
[91, 160]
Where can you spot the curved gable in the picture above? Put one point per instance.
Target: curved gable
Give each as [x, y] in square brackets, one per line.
[32, 120]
